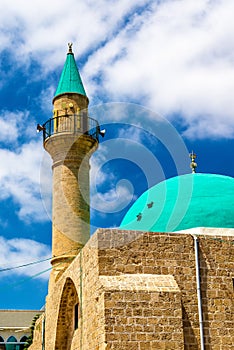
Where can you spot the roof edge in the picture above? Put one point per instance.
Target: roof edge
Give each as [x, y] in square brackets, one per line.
[70, 93]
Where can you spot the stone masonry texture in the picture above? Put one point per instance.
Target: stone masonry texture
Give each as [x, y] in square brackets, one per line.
[137, 290]
[70, 148]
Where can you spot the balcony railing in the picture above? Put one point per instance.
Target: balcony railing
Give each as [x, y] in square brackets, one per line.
[76, 124]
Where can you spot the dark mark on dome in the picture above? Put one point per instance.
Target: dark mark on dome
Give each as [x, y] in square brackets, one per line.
[139, 217]
[149, 205]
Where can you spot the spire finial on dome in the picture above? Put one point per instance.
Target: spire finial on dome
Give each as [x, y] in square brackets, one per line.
[193, 164]
[70, 47]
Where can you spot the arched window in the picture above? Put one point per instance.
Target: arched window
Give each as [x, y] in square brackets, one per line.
[12, 339]
[22, 340]
[12, 343]
[68, 316]
[2, 346]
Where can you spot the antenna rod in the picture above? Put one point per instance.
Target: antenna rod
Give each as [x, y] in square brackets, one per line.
[193, 164]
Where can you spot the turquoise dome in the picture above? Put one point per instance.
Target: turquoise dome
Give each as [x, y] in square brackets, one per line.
[183, 202]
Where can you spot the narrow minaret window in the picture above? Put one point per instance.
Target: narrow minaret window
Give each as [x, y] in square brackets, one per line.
[76, 316]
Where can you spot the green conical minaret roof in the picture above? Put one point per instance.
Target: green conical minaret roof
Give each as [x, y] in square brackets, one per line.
[70, 80]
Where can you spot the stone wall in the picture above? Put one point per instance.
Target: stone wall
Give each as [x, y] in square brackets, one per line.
[143, 312]
[79, 283]
[122, 252]
[38, 334]
[138, 291]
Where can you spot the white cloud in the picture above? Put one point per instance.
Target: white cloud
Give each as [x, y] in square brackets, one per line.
[21, 165]
[44, 26]
[15, 126]
[175, 56]
[97, 175]
[113, 200]
[178, 60]
[20, 180]
[108, 195]
[45, 99]
[132, 132]
[14, 252]
[10, 123]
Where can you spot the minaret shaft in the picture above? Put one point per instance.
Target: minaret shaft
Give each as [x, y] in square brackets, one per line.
[71, 217]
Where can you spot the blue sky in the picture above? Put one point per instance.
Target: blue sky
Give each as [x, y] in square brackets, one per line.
[160, 78]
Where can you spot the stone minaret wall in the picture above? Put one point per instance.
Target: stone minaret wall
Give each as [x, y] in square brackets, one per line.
[70, 150]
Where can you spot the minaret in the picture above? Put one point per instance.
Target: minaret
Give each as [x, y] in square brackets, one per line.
[70, 137]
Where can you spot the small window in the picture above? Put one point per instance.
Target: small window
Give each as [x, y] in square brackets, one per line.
[2, 346]
[76, 315]
[23, 339]
[12, 339]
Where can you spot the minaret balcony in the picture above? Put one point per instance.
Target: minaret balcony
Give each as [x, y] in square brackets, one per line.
[73, 124]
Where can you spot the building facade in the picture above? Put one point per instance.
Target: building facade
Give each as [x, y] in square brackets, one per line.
[15, 328]
[138, 290]
[134, 287]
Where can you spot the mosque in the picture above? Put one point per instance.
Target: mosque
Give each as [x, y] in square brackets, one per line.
[163, 280]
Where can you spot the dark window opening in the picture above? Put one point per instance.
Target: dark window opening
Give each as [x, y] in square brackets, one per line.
[76, 315]
[23, 339]
[2, 346]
